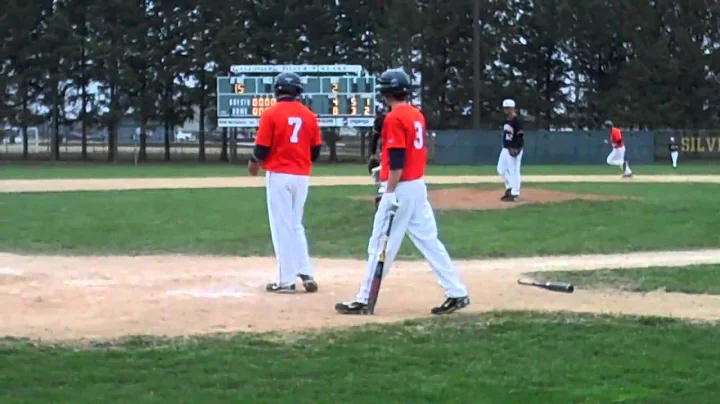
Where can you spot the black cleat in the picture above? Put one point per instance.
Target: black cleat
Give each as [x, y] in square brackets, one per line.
[507, 194]
[275, 288]
[352, 308]
[510, 198]
[450, 305]
[308, 283]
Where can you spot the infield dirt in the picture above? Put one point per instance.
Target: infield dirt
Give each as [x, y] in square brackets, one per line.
[60, 298]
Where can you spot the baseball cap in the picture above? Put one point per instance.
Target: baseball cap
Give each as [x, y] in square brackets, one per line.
[608, 124]
[508, 103]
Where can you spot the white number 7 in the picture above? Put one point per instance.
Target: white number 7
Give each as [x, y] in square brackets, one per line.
[296, 124]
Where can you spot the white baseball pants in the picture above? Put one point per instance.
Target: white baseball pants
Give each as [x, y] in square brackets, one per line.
[508, 167]
[617, 158]
[415, 217]
[674, 156]
[286, 195]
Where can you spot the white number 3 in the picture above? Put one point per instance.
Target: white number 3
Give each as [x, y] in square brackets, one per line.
[419, 135]
[296, 124]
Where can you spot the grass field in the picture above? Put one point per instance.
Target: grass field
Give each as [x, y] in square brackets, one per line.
[234, 222]
[501, 357]
[495, 358]
[77, 170]
[700, 279]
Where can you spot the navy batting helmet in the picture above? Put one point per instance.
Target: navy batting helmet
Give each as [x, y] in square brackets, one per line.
[394, 82]
[288, 83]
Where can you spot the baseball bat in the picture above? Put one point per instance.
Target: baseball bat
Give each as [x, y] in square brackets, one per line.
[379, 268]
[555, 286]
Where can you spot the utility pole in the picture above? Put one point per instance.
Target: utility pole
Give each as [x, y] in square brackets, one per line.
[476, 65]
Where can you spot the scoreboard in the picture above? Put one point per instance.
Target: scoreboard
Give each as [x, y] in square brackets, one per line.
[340, 95]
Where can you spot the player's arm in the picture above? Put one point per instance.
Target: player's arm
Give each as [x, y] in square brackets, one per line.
[316, 136]
[263, 139]
[263, 142]
[518, 127]
[395, 138]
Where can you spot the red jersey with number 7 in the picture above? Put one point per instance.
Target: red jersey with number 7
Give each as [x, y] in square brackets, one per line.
[290, 130]
[404, 128]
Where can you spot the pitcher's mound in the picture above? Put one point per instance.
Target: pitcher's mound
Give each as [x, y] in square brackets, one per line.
[476, 199]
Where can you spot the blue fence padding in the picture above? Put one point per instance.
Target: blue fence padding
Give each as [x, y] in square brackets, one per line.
[456, 147]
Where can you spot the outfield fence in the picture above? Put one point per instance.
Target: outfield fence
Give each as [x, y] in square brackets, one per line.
[448, 147]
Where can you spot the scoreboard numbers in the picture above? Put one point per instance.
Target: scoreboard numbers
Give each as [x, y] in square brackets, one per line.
[353, 105]
[339, 95]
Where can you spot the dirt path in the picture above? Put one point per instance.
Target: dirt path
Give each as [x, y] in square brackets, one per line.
[70, 298]
[58, 185]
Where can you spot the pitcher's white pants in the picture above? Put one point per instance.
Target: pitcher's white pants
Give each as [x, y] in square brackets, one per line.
[674, 156]
[617, 158]
[508, 167]
[286, 195]
[415, 217]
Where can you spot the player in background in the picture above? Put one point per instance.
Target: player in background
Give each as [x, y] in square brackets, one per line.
[617, 155]
[287, 143]
[674, 148]
[510, 159]
[403, 160]
[374, 160]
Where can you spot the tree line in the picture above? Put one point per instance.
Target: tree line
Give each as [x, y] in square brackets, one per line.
[646, 64]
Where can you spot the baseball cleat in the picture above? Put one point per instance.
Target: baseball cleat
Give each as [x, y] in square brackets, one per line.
[275, 288]
[308, 283]
[627, 175]
[507, 194]
[510, 198]
[352, 308]
[450, 305]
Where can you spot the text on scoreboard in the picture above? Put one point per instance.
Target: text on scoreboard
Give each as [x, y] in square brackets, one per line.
[338, 96]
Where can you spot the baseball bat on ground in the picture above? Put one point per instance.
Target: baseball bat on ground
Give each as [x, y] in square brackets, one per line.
[379, 268]
[549, 285]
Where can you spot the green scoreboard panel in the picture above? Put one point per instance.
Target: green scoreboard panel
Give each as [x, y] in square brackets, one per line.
[340, 95]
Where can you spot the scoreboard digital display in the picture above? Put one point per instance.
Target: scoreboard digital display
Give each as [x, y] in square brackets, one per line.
[339, 95]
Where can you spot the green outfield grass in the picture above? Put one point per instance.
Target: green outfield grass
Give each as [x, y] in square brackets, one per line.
[234, 222]
[700, 279]
[494, 358]
[77, 170]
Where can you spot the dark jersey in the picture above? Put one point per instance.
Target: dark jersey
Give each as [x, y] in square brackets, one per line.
[377, 129]
[674, 147]
[513, 134]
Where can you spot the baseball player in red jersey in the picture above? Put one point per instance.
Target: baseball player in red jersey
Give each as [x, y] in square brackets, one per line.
[287, 143]
[617, 155]
[402, 166]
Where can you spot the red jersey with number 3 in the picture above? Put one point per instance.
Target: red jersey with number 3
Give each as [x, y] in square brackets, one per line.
[404, 128]
[290, 130]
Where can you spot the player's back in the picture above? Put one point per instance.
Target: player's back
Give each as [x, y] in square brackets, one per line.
[616, 137]
[290, 129]
[414, 130]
